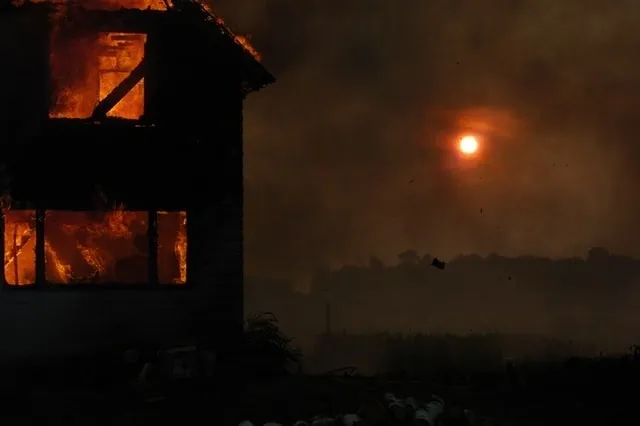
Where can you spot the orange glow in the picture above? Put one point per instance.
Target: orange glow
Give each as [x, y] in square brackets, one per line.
[126, 4]
[78, 83]
[74, 80]
[172, 247]
[20, 247]
[113, 4]
[241, 40]
[94, 247]
[244, 41]
[120, 54]
[468, 145]
[80, 86]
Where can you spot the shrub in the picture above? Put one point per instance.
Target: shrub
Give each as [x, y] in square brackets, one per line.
[267, 352]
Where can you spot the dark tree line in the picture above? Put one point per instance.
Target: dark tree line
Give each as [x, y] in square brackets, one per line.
[581, 300]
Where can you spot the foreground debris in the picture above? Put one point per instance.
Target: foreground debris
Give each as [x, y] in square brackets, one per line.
[392, 410]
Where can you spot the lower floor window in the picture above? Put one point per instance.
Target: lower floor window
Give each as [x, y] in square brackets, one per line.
[95, 247]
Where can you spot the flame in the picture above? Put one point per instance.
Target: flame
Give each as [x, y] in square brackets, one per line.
[96, 247]
[126, 4]
[63, 270]
[20, 247]
[180, 249]
[111, 4]
[121, 53]
[244, 41]
[79, 86]
[240, 39]
[172, 244]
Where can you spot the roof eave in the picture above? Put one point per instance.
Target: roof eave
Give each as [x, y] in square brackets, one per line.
[257, 77]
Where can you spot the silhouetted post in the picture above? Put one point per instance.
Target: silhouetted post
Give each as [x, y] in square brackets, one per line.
[327, 317]
[327, 312]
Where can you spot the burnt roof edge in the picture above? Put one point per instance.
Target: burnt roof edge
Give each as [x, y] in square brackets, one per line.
[262, 79]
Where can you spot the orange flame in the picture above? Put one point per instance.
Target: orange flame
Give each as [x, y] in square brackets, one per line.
[94, 247]
[241, 40]
[121, 53]
[244, 41]
[20, 247]
[79, 87]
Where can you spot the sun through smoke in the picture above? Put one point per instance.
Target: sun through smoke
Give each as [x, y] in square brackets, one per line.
[468, 145]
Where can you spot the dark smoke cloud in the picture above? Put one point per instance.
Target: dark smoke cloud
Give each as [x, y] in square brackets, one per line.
[349, 153]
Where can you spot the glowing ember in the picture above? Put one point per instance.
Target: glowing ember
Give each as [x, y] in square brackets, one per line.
[172, 247]
[244, 41]
[241, 40]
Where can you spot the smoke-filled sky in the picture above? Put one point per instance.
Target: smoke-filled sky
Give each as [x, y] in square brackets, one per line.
[350, 153]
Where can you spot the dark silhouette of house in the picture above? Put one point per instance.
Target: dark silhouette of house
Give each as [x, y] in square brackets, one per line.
[122, 175]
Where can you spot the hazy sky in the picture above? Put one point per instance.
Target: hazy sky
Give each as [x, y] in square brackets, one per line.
[349, 153]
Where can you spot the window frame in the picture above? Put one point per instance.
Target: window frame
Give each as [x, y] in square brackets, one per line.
[152, 284]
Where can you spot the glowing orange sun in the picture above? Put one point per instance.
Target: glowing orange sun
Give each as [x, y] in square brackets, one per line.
[468, 145]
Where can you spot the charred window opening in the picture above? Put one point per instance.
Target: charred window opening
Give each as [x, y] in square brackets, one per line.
[96, 247]
[20, 247]
[172, 247]
[93, 76]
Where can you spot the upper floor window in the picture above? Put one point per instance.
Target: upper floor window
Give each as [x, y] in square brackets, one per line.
[85, 70]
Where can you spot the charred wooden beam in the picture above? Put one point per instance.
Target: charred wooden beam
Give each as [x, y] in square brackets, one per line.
[111, 100]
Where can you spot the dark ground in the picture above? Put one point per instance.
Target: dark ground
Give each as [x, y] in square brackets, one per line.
[578, 392]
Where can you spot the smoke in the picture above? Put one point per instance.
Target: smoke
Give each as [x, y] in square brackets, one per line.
[349, 154]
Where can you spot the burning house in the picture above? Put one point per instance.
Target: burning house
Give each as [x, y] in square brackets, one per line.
[121, 160]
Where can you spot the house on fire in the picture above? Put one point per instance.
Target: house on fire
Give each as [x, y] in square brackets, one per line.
[122, 182]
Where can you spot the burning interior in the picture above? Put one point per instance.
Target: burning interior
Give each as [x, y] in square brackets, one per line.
[97, 247]
[102, 74]
[86, 65]
[85, 70]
